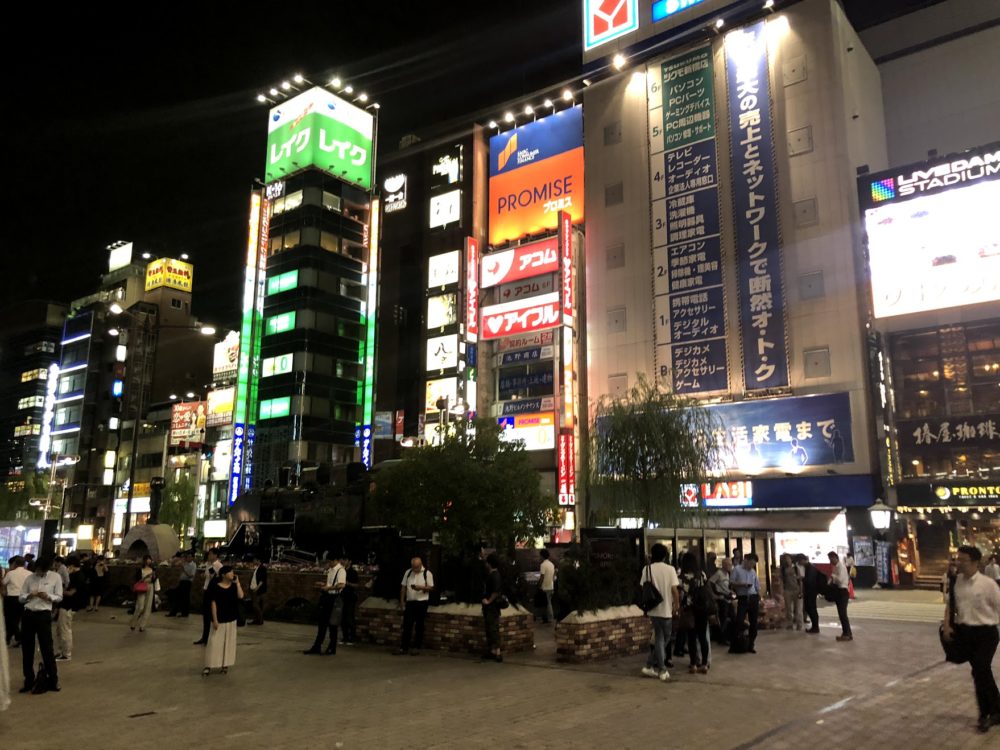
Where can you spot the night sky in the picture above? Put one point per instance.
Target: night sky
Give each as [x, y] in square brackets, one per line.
[125, 121]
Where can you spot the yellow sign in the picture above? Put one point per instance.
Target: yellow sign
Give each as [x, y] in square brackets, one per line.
[174, 274]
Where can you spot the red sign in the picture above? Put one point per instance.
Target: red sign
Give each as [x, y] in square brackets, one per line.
[521, 262]
[521, 316]
[187, 423]
[471, 289]
[566, 255]
[399, 430]
[567, 469]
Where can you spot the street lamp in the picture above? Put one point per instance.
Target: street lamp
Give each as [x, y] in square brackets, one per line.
[881, 515]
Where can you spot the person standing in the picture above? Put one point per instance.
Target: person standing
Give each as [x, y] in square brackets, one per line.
[692, 583]
[41, 591]
[329, 601]
[212, 567]
[414, 598]
[747, 585]
[74, 599]
[180, 602]
[977, 617]
[98, 583]
[664, 578]
[350, 598]
[992, 570]
[792, 584]
[547, 584]
[4, 668]
[144, 590]
[224, 606]
[492, 606]
[13, 581]
[258, 590]
[840, 580]
[724, 597]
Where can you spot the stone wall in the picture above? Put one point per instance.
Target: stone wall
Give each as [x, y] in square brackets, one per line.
[605, 635]
[447, 628]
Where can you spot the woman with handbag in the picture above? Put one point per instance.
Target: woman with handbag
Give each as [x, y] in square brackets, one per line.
[694, 614]
[144, 590]
[226, 596]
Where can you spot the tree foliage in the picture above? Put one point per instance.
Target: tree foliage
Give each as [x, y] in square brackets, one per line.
[475, 488]
[14, 505]
[645, 445]
[178, 503]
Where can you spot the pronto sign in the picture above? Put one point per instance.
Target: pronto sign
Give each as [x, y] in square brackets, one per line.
[536, 170]
[318, 129]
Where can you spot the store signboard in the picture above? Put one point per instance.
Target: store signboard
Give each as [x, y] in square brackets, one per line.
[471, 289]
[512, 343]
[220, 407]
[521, 262]
[439, 388]
[444, 269]
[567, 468]
[442, 352]
[226, 356]
[442, 310]
[527, 356]
[527, 406]
[170, 273]
[537, 431]
[187, 423]
[521, 316]
[382, 428]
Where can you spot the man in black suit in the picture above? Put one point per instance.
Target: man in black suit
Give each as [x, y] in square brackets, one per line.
[258, 590]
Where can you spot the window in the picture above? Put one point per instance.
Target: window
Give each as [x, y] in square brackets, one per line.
[41, 347]
[811, 285]
[331, 202]
[288, 203]
[613, 133]
[817, 362]
[38, 374]
[616, 320]
[279, 323]
[71, 383]
[614, 194]
[276, 407]
[24, 430]
[68, 415]
[616, 256]
[31, 402]
[283, 282]
[276, 365]
[175, 303]
[329, 242]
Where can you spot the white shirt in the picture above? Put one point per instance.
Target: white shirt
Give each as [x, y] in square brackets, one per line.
[209, 577]
[50, 583]
[15, 579]
[993, 571]
[336, 574]
[253, 580]
[977, 601]
[547, 582]
[665, 579]
[839, 576]
[417, 579]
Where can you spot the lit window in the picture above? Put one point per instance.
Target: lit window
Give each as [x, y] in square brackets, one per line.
[37, 374]
[283, 282]
[276, 365]
[280, 323]
[275, 407]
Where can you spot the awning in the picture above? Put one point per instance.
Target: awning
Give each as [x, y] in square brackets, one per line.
[775, 520]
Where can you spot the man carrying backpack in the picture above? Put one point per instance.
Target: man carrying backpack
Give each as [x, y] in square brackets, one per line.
[414, 598]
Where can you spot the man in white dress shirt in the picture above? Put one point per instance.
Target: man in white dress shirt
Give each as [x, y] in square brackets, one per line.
[41, 591]
[977, 617]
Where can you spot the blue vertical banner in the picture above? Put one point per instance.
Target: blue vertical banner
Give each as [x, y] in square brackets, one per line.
[755, 209]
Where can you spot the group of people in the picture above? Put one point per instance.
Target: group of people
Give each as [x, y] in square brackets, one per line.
[725, 599]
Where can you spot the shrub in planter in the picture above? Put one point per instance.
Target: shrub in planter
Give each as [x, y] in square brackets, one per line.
[588, 582]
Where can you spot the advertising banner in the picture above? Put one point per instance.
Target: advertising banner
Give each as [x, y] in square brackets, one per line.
[974, 431]
[173, 274]
[521, 316]
[536, 430]
[441, 388]
[382, 429]
[220, 407]
[566, 460]
[509, 385]
[187, 423]
[318, 129]
[442, 352]
[788, 433]
[527, 356]
[528, 288]
[511, 343]
[444, 269]
[689, 296]
[399, 430]
[521, 262]
[536, 170]
[758, 239]
[442, 310]
[527, 406]
[226, 356]
[471, 289]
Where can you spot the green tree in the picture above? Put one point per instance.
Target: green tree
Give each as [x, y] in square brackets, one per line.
[475, 488]
[645, 445]
[178, 503]
[14, 503]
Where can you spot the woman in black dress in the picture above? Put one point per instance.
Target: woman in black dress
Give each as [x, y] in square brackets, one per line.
[225, 603]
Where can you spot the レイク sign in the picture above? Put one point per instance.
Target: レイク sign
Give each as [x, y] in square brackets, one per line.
[521, 316]
[522, 262]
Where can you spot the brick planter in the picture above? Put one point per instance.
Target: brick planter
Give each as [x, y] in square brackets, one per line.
[608, 633]
[452, 627]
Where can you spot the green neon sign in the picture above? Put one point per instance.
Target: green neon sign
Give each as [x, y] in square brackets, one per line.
[282, 282]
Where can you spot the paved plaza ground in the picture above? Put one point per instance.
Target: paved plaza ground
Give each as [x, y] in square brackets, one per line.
[143, 691]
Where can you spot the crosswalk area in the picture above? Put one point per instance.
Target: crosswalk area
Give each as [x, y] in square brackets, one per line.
[899, 611]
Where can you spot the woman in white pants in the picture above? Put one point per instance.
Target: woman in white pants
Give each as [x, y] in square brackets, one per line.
[143, 588]
[226, 597]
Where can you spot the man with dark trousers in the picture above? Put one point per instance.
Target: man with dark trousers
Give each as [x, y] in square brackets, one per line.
[40, 593]
[336, 579]
[258, 590]
[212, 567]
[811, 584]
[744, 580]
[414, 598]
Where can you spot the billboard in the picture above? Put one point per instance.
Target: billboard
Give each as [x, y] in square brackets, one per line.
[119, 255]
[444, 269]
[537, 431]
[187, 423]
[442, 352]
[567, 468]
[934, 233]
[536, 170]
[606, 20]
[442, 310]
[220, 406]
[522, 262]
[441, 388]
[173, 274]
[521, 316]
[226, 356]
[530, 341]
[318, 129]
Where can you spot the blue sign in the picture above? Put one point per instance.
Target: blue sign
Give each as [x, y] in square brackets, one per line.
[848, 491]
[666, 8]
[526, 355]
[786, 433]
[366, 445]
[691, 167]
[536, 141]
[693, 265]
[511, 384]
[758, 239]
[695, 316]
[236, 464]
[699, 366]
[471, 354]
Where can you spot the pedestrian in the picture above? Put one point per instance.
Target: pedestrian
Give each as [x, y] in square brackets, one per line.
[724, 599]
[792, 583]
[144, 589]
[41, 591]
[813, 583]
[224, 607]
[212, 567]
[180, 599]
[29, 562]
[414, 598]
[4, 668]
[852, 573]
[14, 580]
[492, 602]
[349, 625]
[258, 590]
[838, 590]
[696, 614]
[664, 578]
[74, 599]
[330, 607]
[744, 580]
[98, 583]
[993, 570]
[547, 584]
[977, 617]
[62, 570]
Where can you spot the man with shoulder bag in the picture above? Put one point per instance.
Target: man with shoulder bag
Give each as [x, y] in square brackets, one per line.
[662, 578]
[970, 631]
[331, 607]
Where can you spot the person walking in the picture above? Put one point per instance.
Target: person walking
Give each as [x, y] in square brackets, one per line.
[13, 581]
[813, 581]
[74, 599]
[840, 580]
[747, 585]
[41, 591]
[977, 617]
[258, 590]
[144, 589]
[180, 600]
[212, 567]
[98, 582]
[792, 584]
[547, 584]
[664, 578]
[224, 605]
[692, 592]
[492, 605]
[414, 598]
[329, 603]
